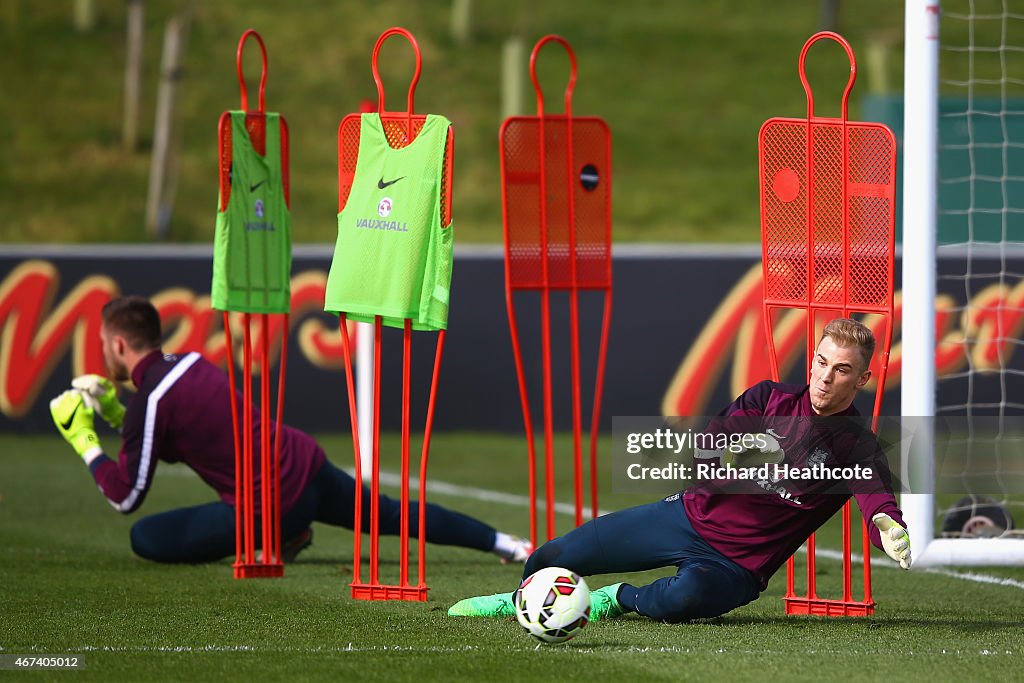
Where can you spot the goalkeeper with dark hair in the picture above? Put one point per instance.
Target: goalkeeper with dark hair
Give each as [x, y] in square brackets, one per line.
[726, 546]
[181, 413]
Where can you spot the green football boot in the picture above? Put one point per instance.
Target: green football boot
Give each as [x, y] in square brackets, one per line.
[497, 605]
[603, 603]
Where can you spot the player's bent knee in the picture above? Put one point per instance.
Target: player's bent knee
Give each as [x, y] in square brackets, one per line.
[143, 543]
[548, 555]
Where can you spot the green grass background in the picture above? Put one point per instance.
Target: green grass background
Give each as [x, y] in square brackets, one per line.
[71, 585]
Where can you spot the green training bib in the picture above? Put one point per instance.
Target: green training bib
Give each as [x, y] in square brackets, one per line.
[393, 258]
[252, 252]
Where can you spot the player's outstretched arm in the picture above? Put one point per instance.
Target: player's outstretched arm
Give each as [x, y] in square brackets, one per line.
[895, 539]
[74, 420]
[101, 394]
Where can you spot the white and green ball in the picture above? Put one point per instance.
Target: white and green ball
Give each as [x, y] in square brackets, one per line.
[553, 604]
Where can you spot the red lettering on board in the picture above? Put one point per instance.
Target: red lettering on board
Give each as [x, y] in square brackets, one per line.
[34, 335]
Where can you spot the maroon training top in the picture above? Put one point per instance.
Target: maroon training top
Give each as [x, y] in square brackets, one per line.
[759, 524]
[182, 413]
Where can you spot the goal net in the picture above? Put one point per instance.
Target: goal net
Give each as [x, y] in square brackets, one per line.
[969, 512]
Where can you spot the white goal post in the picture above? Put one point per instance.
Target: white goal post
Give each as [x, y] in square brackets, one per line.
[920, 224]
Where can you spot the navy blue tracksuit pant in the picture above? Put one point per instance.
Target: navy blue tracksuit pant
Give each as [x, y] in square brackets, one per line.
[205, 533]
[649, 537]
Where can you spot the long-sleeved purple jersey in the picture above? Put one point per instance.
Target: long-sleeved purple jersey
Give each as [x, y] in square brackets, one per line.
[759, 527]
[182, 413]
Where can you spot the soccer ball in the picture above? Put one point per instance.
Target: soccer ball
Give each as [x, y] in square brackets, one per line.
[553, 604]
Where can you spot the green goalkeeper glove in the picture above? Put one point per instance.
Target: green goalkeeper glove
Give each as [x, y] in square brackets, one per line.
[74, 421]
[895, 539]
[766, 451]
[101, 395]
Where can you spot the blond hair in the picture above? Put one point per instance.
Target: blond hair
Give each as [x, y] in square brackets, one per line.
[847, 333]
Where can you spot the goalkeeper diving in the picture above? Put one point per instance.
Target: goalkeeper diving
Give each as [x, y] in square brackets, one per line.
[181, 413]
[725, 544]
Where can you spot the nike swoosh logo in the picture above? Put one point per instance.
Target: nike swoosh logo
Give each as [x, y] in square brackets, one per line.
[252, 188]
[381, 184]
[772, 432]
[66, 425]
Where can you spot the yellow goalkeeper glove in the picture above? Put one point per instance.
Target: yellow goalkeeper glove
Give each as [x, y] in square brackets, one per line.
[895, 539]
[74, 420]
[101, 395]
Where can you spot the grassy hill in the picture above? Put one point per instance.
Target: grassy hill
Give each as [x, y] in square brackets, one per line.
[683, 85]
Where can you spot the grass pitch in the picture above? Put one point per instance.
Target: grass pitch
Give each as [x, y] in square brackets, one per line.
[72, 586]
